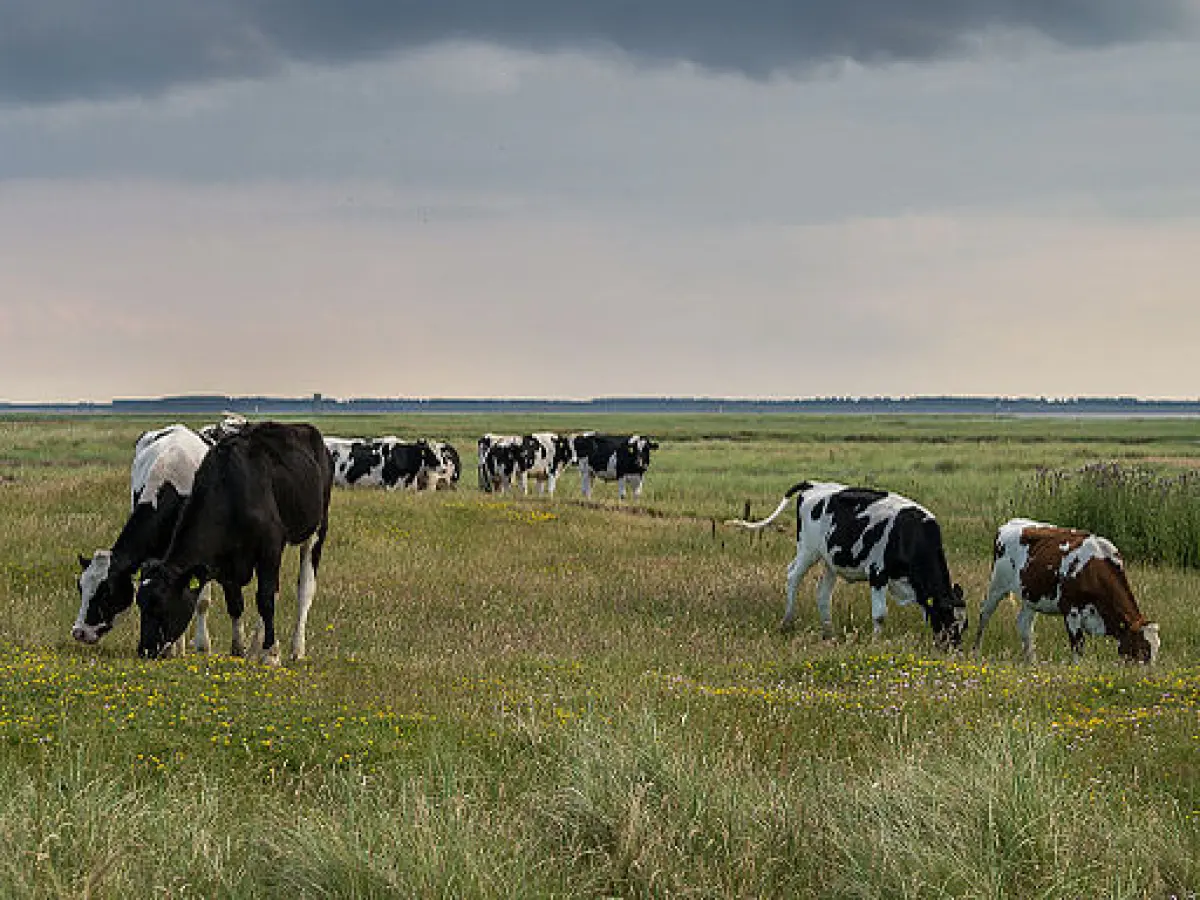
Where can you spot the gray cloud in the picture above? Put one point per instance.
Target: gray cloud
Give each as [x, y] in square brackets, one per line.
[55, 50]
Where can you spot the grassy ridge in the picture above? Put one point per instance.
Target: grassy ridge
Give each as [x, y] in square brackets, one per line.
[552, 698]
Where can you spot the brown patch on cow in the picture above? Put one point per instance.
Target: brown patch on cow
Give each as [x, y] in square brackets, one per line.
[1047, 546]
[1100, 583]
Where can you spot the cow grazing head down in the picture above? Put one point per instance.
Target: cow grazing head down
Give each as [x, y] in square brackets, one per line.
[167, 600]
[1140, 645]
[948, 621]
[866, 535]
[1071, 573]
[104, 594]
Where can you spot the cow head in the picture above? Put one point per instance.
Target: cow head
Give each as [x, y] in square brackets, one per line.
[231, 423]
[1140, 645]
[564, 453]
[949, 620]
[167, 599]
[641, 450]
[105, 590]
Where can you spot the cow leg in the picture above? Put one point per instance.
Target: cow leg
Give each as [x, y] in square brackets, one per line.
[550, 482]
[1075, 633]
[996, 593]
[585, 481]
[1025, 620]
[825, 602]
[796, 569]
[525, 483]
[265, 597]
[235, 605]
[306, 589]
[636, 481]
[200, 641]
[879, 589]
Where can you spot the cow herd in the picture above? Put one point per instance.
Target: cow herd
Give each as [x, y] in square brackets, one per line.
[223, 503]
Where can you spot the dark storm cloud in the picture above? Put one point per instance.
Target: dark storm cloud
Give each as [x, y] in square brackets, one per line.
[53, 50]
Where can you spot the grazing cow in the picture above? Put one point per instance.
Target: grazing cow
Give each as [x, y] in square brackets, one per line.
[164, 464]
[879, 537]
[621, 458]
[256, 492]
[502, 458]
[547, 456]
[1072, 573]
[447, 471]
[381, 462]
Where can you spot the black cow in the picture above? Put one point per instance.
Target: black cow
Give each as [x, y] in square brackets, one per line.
[875, 536]
[256, 492]
[622, 458]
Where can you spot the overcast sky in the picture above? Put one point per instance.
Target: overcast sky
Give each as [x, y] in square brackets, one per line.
[557, 198]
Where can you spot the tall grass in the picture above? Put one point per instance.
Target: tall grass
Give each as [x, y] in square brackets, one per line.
[1152, 517]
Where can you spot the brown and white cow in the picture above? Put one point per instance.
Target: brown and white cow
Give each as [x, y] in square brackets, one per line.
[1072, 573]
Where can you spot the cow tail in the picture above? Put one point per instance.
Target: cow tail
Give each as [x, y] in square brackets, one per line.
[763, 523]
[798, 488]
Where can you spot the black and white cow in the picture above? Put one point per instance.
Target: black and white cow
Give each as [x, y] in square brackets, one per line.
[256, 492]
[623, 458]
[1075, 574]
[382, 462]
[164, 465]
[887, 540]
[502, 459]
[448, 470]
[547, 455]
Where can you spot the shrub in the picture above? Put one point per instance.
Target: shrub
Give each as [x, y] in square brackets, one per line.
[1151, 516]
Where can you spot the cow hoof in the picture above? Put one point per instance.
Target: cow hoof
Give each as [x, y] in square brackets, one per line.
[201, 647]
[270, 657]
[238, 650]
[787, 626]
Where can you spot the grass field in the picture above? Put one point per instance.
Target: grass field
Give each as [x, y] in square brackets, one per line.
[511, 697]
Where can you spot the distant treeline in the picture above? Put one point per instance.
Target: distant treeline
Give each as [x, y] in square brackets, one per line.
[211, 404]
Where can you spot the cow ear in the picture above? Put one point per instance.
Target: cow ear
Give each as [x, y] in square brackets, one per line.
[958, 594]
[84, 562]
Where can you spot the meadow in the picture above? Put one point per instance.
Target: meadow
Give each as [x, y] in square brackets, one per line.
[534, 697]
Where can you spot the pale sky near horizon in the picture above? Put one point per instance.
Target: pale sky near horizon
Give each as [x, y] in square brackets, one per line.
[579, 199]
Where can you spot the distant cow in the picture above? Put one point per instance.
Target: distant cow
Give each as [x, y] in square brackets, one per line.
[623, 458]
[447, 471]
[548, 455]
[1071, 573]
[887, 540]
[164, 464]
[256, 491]
[386, 462]
[502, 459]
[230, 422]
